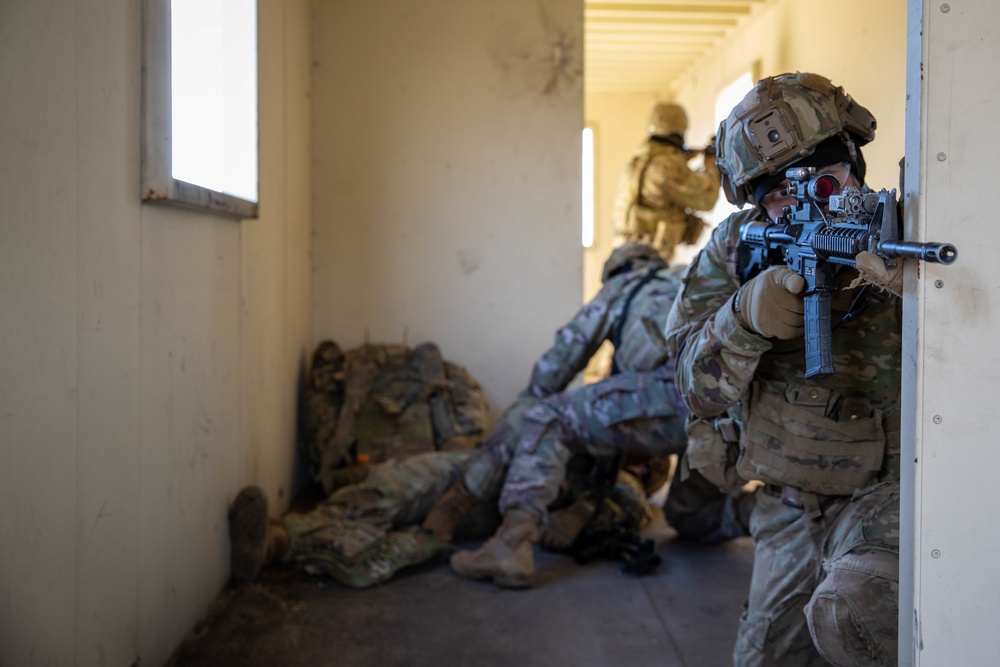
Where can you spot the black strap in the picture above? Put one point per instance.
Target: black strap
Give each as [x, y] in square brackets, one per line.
[616, 334]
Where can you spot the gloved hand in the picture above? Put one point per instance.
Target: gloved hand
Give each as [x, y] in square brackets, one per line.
[771, 304]
[710, 150]
[873, 271]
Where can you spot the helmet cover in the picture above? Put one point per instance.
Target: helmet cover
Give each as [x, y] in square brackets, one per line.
[667, 118]
[632, 256]
[780, 122]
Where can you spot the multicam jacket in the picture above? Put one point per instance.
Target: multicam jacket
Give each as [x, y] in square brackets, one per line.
[601, 319]
[721, 366]
[659, 186]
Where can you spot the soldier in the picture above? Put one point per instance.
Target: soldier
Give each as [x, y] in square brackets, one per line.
[361, 535]
[385, 401]
[826, 523]
[636, 412]
[658, 192]
[385, 429]
[366, 531]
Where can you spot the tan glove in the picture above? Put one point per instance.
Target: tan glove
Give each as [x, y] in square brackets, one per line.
[873, 271]
[770, 304]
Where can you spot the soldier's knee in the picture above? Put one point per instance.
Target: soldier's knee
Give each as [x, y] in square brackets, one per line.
[853, 613]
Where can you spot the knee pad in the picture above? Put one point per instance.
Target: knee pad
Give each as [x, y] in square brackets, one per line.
[853, 613]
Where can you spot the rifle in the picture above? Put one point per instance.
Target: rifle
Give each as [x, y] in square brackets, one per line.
[812, 242]
[618, 543]
[708, 151]
[615, 541]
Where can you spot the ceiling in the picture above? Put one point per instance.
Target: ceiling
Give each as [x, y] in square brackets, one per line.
[638, 46]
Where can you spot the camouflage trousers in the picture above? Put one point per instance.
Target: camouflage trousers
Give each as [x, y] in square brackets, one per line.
[364, 533]
[825, 586]
[639, 415]
[485, 471]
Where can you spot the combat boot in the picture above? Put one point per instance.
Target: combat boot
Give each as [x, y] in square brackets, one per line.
[448, 511]
[508, 557]
[255, 539]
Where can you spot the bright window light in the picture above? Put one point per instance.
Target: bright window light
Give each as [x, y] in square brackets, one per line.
[199, 105]
[728, 98]
[731, 95]
[588, 188]
[214, 94]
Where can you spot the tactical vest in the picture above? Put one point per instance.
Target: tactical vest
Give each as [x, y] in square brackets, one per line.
[832, 435]
[829, 435]
[378, 402]
[633, 219]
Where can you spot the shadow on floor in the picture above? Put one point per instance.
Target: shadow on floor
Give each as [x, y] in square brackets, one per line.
[684, 614]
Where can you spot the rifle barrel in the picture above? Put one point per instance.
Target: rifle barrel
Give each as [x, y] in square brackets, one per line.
[939, 253]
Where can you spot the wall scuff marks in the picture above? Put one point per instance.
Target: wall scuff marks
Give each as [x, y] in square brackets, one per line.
[545, 58]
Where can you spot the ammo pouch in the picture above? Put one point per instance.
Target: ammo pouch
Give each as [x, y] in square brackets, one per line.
[811, 438]
[642, 347]
[712, 450]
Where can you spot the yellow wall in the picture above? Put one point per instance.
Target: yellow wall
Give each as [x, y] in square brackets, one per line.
[151, 356]
[446, 178]
[619, 122]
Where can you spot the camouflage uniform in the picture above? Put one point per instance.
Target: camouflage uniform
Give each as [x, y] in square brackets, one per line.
[376, 402]
[364, 533]
[826, 522]
[637, 412]
[657, 194]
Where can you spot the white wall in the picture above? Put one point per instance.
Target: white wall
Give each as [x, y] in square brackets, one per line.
[150, 356]
[950, 481]
[446, 178]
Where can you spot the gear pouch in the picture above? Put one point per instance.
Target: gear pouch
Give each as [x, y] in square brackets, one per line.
[712, 454]
[791, 445]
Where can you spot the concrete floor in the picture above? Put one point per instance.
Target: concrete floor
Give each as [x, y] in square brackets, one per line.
[684, 614]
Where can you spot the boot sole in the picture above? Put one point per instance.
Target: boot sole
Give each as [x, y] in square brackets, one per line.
[499, 579]
[248, 534]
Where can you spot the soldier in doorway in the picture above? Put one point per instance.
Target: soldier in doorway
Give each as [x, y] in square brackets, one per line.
[824, 588]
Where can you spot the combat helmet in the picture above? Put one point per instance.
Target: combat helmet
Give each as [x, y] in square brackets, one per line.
[781, 122]
[631, 256]
[665, 119]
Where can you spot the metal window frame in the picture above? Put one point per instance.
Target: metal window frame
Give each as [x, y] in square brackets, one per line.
[158, 183]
